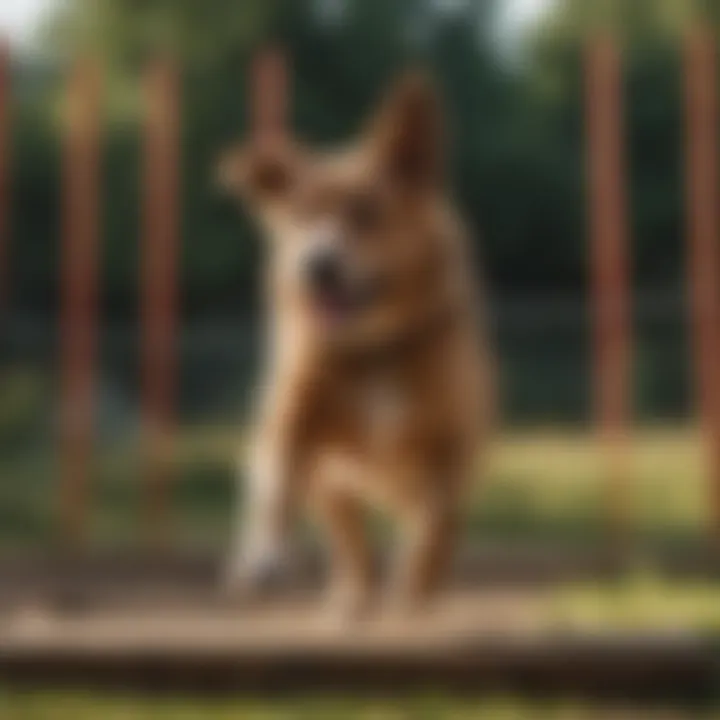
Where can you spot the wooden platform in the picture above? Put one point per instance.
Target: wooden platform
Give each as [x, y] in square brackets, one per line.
[291, 649]
[163, 626]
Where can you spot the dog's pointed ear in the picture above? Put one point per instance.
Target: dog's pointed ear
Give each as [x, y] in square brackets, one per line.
[259, 173]
[266, 167]
[408, 131]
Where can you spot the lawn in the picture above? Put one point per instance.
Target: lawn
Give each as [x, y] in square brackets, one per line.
[538, 486]
[639, 601]
[50, 706]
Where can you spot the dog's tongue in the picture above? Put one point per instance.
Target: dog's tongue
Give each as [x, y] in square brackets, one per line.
[335, 307]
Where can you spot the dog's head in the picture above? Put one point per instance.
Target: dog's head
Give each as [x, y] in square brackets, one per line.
[353, 232]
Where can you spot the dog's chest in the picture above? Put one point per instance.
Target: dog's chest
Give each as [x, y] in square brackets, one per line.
[382, 407]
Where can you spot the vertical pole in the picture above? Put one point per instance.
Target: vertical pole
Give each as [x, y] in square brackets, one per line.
[270, 96]
[159, 286]
[702, 229]
[4, 178]
[609, 266]
[79, 290]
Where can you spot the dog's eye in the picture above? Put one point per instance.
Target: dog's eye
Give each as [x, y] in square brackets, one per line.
[364, 213]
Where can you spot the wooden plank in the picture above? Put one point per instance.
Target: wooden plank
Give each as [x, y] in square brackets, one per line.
[609, 268]
[159, 302]
[637, 667]
[79, 294]
[702, 232]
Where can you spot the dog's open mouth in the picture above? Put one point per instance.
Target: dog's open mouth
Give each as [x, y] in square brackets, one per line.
[343, 303]
[336, 305]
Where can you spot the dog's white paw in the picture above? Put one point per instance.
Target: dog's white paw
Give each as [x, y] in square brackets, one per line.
[248, 577]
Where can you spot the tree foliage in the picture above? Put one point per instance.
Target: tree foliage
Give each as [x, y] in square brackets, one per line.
[517, 128]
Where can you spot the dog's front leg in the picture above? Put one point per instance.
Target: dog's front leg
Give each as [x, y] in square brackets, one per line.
[341, 517]
[273, 481]
[428, 540]
[258, 552]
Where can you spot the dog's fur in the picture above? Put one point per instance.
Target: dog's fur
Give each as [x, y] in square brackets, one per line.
[378, 387]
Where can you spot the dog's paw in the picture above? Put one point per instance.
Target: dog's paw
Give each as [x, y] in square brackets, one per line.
[235, 582]
[347, 604]
[245, 581]
[403, 605]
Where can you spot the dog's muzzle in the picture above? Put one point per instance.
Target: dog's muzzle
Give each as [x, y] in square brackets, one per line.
[324, 272]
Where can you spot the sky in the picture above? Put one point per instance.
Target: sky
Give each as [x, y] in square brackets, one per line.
[519, 14]
[18, 18]
[521, 11]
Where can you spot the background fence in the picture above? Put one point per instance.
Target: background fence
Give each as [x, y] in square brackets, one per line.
[82, 384]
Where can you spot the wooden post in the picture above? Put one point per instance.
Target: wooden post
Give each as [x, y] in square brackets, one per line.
[79, 290]
[609, 266]
[159, 301]
[4, 179]
[270, 96]
[702, 229]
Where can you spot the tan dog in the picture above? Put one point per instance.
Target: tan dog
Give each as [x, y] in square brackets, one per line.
[378, 389]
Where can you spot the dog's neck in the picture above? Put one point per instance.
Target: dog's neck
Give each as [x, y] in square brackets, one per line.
[405, 344]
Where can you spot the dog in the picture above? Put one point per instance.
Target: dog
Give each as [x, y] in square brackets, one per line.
[378, 388]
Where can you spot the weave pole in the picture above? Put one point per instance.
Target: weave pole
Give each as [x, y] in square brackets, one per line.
[270, 97]
[159, 304]
[702, 230]
[79, 293]
[4, 178]
[609, 268]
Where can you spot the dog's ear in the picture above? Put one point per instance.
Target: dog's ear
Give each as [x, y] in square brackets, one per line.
[266, 168]
[259, 173]
[408, 133]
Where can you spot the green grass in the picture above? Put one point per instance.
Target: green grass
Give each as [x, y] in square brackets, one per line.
[639, 601]
[539, 486]
[53, 706]
[554, 485]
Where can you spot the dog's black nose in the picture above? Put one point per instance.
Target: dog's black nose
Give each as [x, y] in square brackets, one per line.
[324, 272]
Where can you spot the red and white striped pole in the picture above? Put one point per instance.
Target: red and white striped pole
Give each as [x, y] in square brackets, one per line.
[159, 301]
[79, 293]
[702, 217]
[609, 265]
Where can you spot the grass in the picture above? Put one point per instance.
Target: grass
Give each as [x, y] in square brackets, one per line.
[53, 706]
[638, 602]
[554, 485]
[539, 486]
